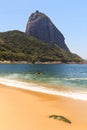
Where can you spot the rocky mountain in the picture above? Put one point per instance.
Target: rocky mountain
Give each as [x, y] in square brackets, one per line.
[41, 43]
[18, 46]
[40, 26]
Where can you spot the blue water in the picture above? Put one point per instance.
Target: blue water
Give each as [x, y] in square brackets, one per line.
[64, 77]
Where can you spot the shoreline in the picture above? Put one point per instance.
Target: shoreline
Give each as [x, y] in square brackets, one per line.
[41, 88]
[24, 109]
[51, 62]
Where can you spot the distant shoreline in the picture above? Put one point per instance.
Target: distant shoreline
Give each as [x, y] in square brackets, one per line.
[51, 62]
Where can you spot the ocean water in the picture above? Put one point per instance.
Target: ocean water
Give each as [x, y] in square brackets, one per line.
[69, 80]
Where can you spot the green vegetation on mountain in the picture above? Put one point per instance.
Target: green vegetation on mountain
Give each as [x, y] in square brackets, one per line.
[18, 46]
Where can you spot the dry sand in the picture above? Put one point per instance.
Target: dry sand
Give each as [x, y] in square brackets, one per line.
[27, 110]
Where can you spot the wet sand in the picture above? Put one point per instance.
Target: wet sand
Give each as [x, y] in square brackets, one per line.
[27, 110]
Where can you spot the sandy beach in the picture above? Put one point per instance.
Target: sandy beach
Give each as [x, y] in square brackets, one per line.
[27, 110]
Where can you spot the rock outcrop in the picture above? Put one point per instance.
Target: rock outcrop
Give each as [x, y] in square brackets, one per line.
[40, 26]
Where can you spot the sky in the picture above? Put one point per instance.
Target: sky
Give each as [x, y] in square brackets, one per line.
[69, 16]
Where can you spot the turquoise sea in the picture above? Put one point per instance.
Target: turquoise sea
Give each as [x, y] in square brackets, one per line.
[69, 80]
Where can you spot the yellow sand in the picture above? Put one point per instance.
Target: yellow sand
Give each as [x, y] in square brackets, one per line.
[27, 110]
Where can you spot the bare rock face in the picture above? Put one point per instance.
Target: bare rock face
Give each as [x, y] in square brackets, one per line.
[40, 26]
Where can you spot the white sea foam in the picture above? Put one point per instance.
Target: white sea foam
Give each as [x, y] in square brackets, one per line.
[38, 88]
[75, 79]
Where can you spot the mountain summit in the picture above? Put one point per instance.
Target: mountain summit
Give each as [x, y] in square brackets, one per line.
[40, 26]
[42, 43]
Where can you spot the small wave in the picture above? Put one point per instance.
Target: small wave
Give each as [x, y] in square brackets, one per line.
[75, 79]
[41, 88]
[12, 76]
[17, 76]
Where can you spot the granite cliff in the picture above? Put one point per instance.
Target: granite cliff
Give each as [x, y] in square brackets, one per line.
[42, 43]
[40, 26]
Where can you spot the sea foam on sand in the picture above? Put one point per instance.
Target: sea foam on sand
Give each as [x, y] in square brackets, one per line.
[42, 89]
